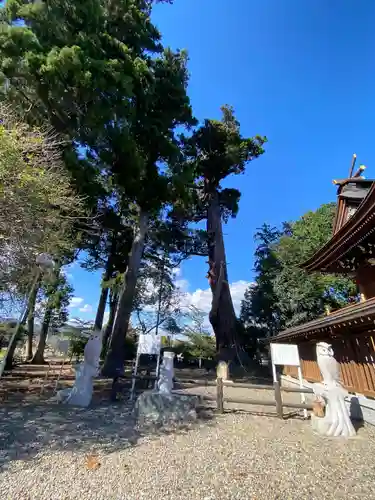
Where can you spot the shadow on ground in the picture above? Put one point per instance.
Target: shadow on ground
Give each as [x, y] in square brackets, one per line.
[28, 428]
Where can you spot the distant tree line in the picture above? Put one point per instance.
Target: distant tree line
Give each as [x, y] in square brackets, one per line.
[284, 295]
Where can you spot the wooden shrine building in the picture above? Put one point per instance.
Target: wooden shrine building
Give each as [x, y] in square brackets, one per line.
[350, 330]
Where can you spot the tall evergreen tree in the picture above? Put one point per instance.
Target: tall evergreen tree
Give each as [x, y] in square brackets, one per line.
[213, 152]
[157, 115]
[259, 307]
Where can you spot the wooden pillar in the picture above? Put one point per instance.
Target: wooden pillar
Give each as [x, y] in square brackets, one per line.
[220, 395]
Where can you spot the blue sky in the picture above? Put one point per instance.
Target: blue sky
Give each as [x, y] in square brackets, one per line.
[300, 72]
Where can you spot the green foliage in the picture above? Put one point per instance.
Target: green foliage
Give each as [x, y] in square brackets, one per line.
[77, 347]
[77, 58]
[285, 295]
[214, 151]
[6, 332]
[220, 150]
[200, 343]
[38, 204]
[259, 310]
[201, 346]
[302, 296]
[58, 294]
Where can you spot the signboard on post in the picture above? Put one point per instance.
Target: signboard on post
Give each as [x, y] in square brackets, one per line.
[287, 355]
[149, 344]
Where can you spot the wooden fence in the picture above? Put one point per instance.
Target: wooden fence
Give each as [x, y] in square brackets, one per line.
[276, 401]
[356, 357]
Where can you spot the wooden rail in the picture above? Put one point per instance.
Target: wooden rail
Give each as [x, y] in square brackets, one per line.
[220, 398]
[242, 385]
[277, 401]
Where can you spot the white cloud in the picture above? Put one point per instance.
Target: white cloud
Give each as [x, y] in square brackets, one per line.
[202, 299]
[87, 308]
[75, 302]
[182, 285]
[238, 289]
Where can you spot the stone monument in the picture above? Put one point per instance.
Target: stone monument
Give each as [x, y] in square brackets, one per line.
[165, 382]
[162, 406]
[336, 421]
[81, 392]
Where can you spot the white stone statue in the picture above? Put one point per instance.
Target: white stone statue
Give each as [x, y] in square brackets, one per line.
[165, 382]
[336, 421]
[81, 392]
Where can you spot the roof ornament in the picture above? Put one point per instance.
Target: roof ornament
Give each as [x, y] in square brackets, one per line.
[354, 159]
[357, 174]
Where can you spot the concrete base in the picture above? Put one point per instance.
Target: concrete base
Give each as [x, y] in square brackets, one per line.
[154, 408]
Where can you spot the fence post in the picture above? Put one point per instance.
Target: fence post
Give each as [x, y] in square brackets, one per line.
[279, 401]
[220, 395]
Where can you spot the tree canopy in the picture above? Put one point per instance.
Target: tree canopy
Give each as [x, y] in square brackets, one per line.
[213, 152]
[285, 295]
[39, 207]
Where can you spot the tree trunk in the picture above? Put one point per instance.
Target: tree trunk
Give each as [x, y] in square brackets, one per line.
[114, 361]
[38, 358]
[104, 291]
[101, 307]
[113, 301]
[222, 315]
[30, 323]
[8, 361]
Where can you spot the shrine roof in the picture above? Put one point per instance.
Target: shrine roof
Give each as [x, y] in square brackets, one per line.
[355, 318]
[359, 227]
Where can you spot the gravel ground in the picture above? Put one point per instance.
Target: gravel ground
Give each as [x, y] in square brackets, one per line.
[44, 450]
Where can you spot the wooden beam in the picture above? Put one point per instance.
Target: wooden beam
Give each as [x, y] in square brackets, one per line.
[220, 395]
[354, 159]
[245, 385]
[278, 399]
[298, 390]
[248, 401]
[304, 406]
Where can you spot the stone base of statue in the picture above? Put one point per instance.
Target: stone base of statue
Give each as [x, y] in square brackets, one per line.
[336, 422]
[81, 392]
[155, 408]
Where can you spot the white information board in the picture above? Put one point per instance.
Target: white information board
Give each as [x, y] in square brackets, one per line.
[149, 344]
[285, 354]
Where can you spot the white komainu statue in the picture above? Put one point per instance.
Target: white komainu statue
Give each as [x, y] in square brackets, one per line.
[81, 392]
[336, 421]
